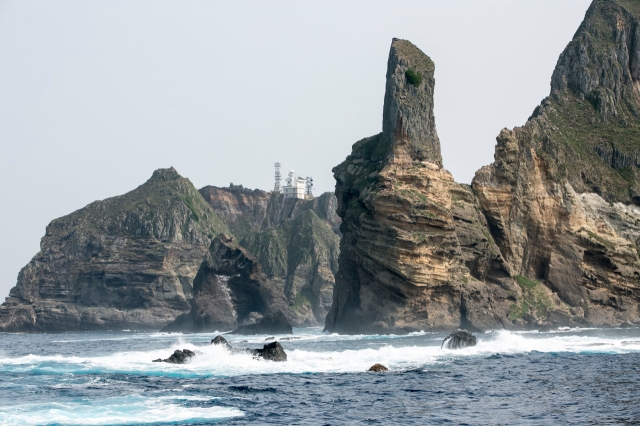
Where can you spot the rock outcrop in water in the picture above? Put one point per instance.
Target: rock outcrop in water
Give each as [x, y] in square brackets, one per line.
[271, 351]
[459, 339]
[548, 235]
[124, 262]
[178, 357]
[378, 368]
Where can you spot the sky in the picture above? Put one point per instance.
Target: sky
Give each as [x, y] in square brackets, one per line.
[94, 96]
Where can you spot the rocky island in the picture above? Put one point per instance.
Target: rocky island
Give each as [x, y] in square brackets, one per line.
[548, 235]
[136, 261]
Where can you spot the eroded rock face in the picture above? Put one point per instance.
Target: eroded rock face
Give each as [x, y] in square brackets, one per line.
[415, 252]
[557, 198]
[229, 287]
[295, 241]
[124, 262]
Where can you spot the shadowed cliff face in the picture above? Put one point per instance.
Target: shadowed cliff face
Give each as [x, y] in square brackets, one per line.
[403, 265]
[295, 241]
[126, 261]
[229, 289]
[561, 197]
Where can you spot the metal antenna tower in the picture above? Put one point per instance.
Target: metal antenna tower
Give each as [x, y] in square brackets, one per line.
[309, 187]
[276, 187]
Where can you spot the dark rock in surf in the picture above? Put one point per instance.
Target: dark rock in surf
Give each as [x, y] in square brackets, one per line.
[219, 340]
[459, 339]
[378, 368]
[272, 352]
[274, 323]
[178, 357]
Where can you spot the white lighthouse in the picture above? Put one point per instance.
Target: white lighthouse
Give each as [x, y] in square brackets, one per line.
[296, 186]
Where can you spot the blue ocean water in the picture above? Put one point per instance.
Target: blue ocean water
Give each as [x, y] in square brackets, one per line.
[570, 376]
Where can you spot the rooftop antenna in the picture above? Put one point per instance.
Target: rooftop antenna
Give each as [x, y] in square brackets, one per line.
[276, 187]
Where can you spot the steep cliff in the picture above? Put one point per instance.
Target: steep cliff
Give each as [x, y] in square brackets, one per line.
[295, 242]
[561, 198]
[416, 252]
[127, 261]
[229, 289]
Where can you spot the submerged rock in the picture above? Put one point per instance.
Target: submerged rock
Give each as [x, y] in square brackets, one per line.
[178, 357]
[274, 323]
[459, 339]
[378, 368]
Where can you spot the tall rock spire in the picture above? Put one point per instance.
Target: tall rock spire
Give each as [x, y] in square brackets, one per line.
[408, 123]
[402, 266]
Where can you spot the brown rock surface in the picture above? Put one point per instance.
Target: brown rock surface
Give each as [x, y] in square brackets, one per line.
[558, 196]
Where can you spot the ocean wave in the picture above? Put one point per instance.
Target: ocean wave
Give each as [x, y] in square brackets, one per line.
[129, 410]
[311, 356]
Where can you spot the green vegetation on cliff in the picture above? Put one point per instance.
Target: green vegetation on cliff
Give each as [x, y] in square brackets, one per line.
[413, 77]
[295, 251]
[534, 300]
[281, 250]
[163, 207]
[590, 124]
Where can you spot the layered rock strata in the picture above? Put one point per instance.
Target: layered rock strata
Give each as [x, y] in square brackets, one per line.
[415, 252]
[547, 235]
[124, 262]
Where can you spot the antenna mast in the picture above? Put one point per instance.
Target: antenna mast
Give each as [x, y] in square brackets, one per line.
[276, 187]
[309, 191]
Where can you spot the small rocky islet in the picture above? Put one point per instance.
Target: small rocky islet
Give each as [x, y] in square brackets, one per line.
[546, 236]
[270, 352]
[275, 352]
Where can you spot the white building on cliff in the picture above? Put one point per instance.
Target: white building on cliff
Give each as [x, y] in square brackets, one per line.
[296, 186]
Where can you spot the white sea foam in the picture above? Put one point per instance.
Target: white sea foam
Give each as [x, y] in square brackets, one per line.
[394, 352]
[127, 410]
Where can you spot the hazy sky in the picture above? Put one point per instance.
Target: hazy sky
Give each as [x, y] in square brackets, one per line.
[95, 95]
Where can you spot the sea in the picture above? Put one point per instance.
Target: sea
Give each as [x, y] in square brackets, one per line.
[562, 377]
